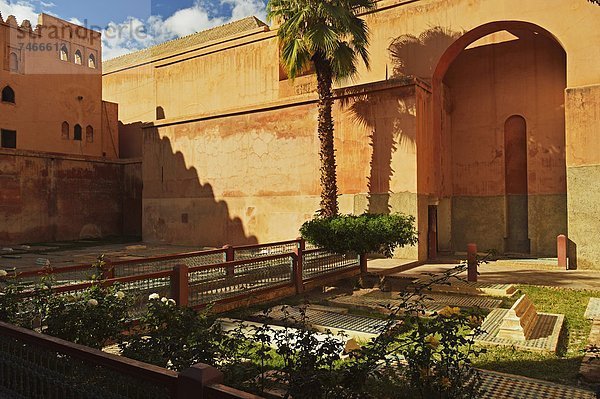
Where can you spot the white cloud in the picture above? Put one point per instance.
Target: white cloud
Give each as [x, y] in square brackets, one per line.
[134, 34]
[20, 9]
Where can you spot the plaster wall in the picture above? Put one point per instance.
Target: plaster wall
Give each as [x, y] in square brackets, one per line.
[47, 198]
[422, 31]
[487, 85]
[210, 177]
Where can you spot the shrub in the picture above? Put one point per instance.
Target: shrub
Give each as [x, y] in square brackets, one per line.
[92, 317]
[362, 234]
[9, 298]
[174, 337]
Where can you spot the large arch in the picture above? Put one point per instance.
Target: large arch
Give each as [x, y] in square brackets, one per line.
[522, 31]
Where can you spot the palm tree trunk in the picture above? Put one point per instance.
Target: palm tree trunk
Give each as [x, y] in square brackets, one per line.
[329, 190]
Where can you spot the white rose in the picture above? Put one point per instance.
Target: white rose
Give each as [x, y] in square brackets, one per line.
[92, 302]
[153, 297]
[3, 273]
[172, 302]
[120, 295]
[164, 300]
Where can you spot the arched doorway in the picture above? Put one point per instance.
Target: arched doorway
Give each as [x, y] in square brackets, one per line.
[498, 106]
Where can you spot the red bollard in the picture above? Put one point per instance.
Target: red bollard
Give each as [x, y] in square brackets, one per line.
[561, 249]
[472, 263]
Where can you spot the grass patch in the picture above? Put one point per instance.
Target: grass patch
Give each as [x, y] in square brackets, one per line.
[562, 367]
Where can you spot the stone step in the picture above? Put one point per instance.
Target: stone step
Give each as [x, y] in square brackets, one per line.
[592, 312]
[455, 286]
[590, 364]
[382, 302]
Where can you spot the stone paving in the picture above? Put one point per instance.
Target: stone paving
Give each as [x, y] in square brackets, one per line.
[380, 301]
[592, 312]
[506, 386]
[358, 327]
[513, 272]
[590, 364]
[25, 258]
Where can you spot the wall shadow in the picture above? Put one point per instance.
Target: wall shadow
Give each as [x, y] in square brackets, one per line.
[177, 207]
[418, 55]
[390, 117]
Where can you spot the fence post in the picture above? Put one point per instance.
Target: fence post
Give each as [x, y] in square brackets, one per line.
[107, 271]
[229, 257]
[561, 248]
[298, 265]
[472, 263]
[191, 382]
[180, 285]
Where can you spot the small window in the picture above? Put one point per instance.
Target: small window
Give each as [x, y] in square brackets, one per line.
[78, 58]
[92, 61]
[8, 95]
[89, 134]
[65, 131]
[64, 53]
[77, 133]
[14, 62]
[8, 139]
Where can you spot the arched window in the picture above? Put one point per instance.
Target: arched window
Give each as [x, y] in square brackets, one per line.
[64, 53]
[14, 62]
[65, 131]
[77, 133]
[89, 134]
[92, 61]
[8, 95]
[78, 58]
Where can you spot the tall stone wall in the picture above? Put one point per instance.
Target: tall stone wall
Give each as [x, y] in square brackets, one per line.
[49, 197]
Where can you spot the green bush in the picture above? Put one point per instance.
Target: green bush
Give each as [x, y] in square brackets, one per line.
[362, 234]
[174, 337]
[91, 318]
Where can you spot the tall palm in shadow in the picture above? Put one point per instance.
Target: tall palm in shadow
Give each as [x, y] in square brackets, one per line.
[330, 36]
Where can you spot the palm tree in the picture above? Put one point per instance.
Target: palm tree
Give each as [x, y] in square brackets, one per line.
[329, 35]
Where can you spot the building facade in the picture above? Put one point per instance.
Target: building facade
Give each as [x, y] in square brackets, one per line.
[51, 82]
[60, 173]
[479, 117]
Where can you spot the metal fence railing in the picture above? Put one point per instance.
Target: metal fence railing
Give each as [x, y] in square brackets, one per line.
[34, 365]
[318, 262]
[260, 250]
[37, 366]
[208, 284]
[208, 277]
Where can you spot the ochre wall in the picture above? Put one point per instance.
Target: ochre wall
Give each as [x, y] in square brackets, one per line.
[204, 181]
[237, 83]
[50, 91]
[487, 85]
[47, 197]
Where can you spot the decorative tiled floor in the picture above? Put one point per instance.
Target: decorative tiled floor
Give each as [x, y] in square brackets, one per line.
[505, 386]
[544, 335]
[358, 327]
[379, 300]
[592, 312]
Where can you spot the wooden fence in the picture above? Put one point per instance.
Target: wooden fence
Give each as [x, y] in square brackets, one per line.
[226, 278]
[36, 365]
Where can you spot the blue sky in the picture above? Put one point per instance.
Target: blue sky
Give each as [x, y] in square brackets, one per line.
[159, 20]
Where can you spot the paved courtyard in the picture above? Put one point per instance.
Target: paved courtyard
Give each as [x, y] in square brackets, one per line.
[62, 254]
[523, 271]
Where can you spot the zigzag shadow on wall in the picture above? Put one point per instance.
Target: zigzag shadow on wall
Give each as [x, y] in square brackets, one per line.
[177, 207]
